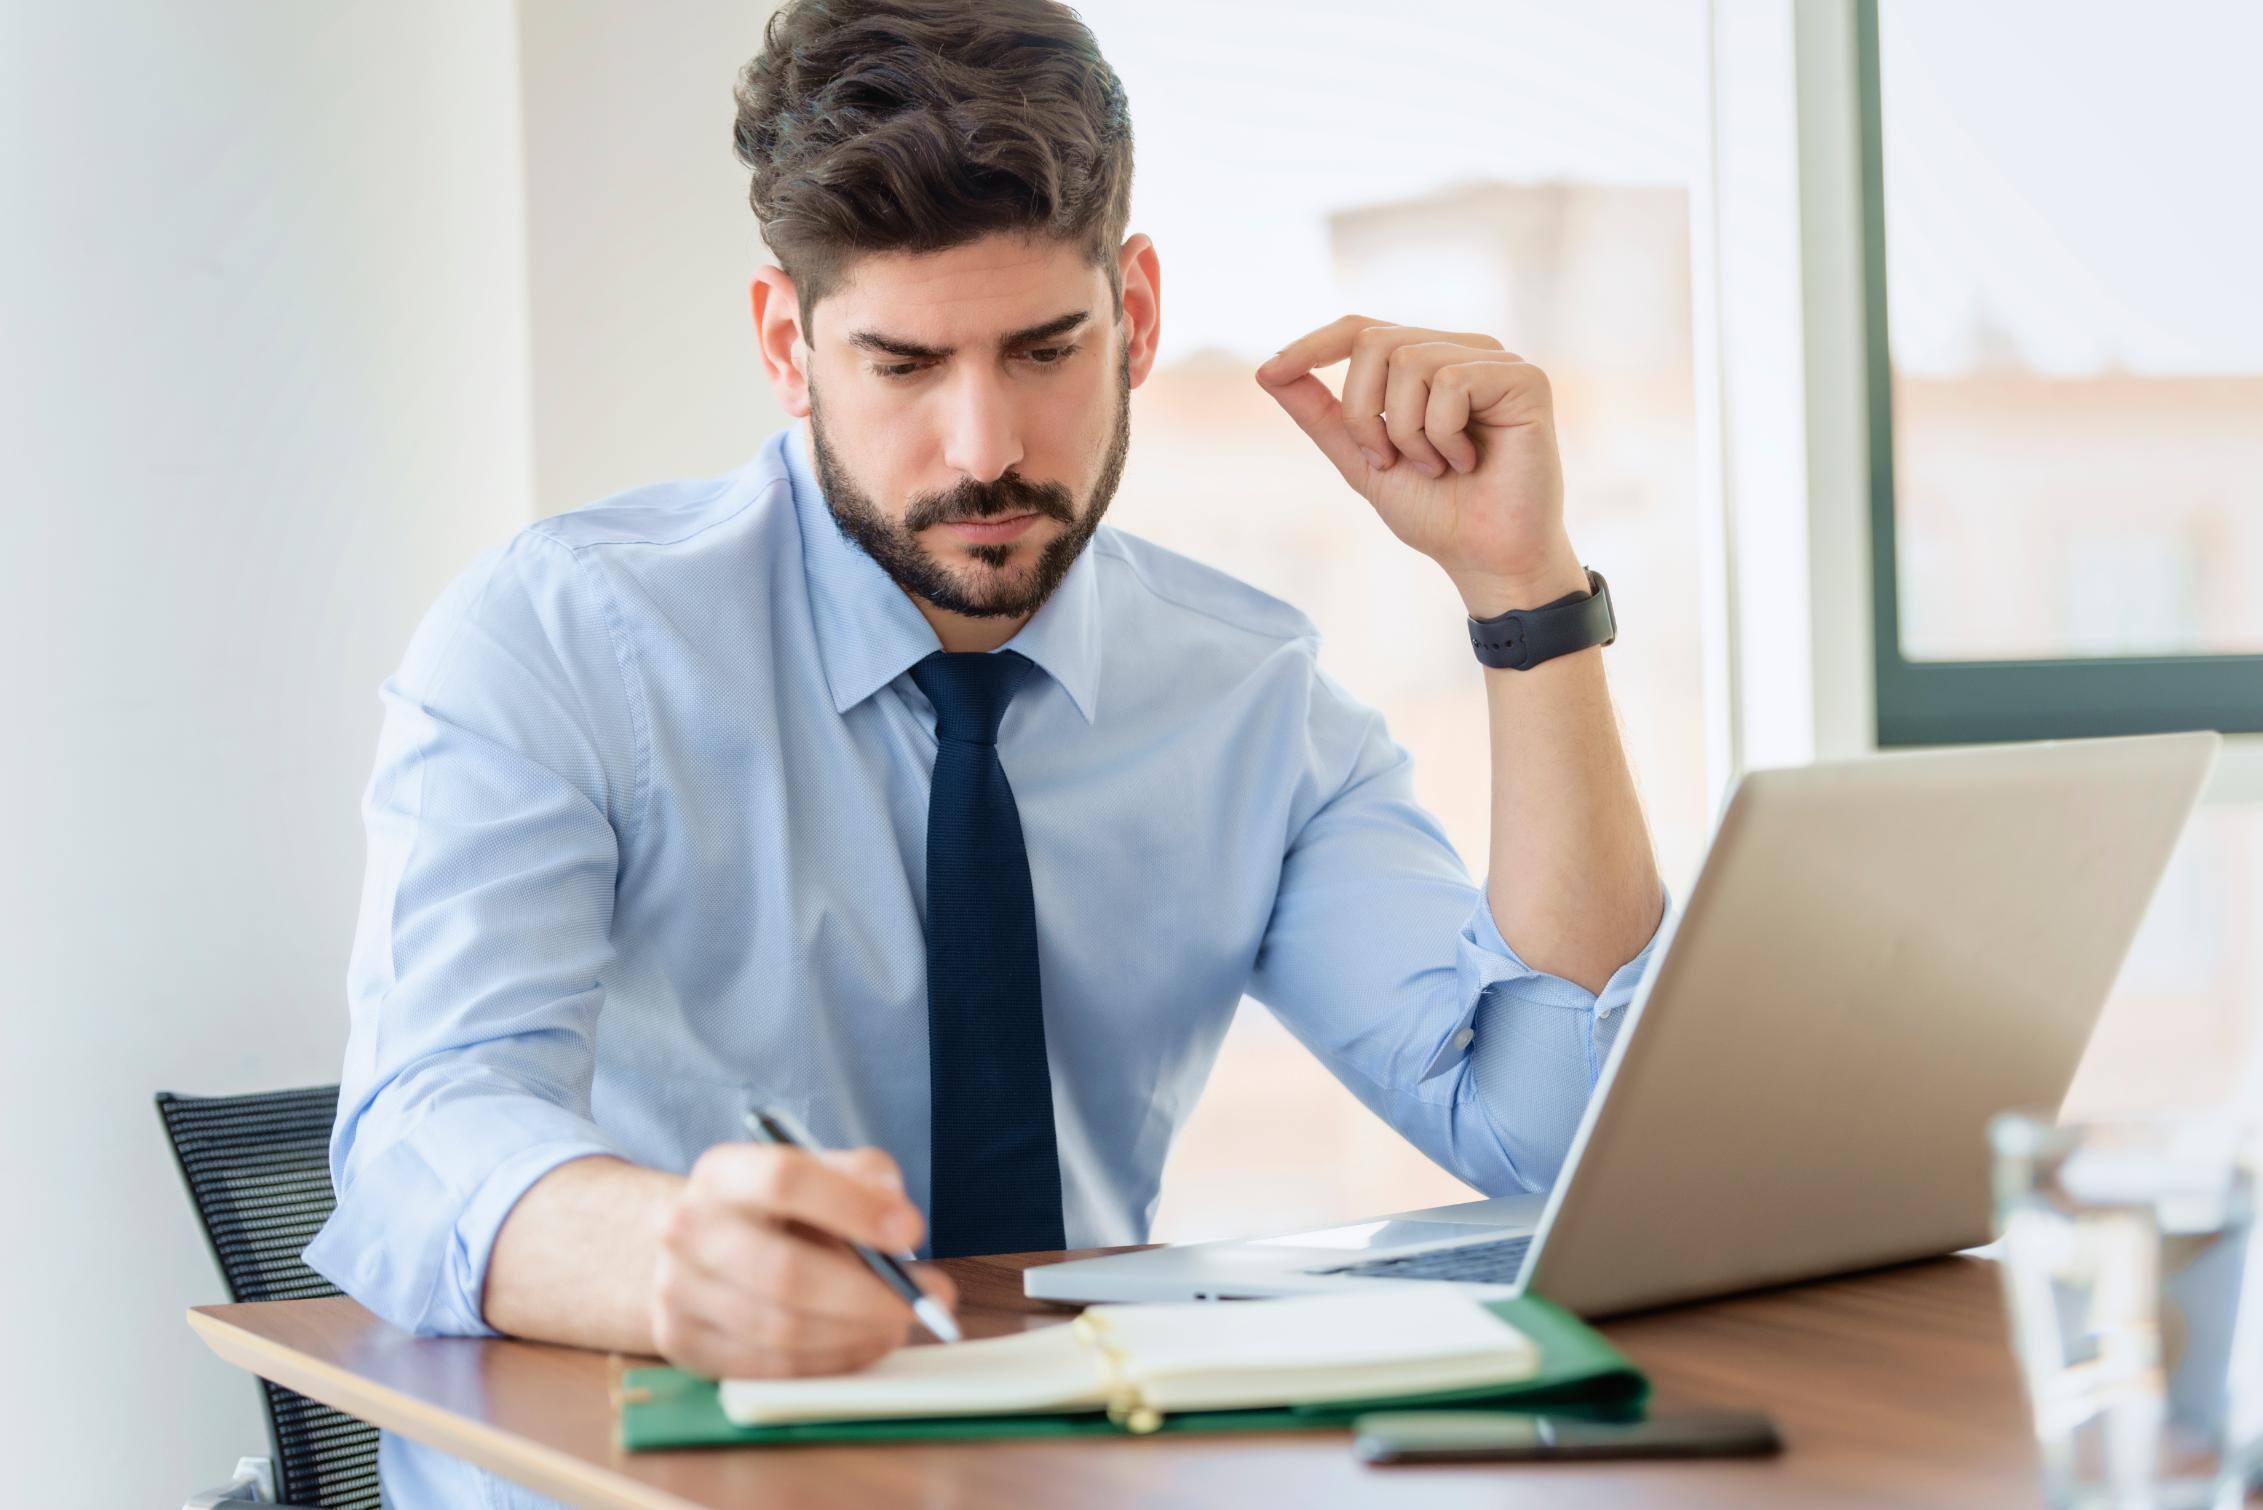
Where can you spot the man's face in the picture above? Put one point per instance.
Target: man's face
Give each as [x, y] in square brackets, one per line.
[970, 411]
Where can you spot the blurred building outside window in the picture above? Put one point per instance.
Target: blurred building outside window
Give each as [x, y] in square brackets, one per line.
[2076, 330]
[1521, 170]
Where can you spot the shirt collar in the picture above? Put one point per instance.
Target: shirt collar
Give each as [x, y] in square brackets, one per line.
[869, 632]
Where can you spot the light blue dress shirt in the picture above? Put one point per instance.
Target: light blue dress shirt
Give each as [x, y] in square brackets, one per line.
[647, 838]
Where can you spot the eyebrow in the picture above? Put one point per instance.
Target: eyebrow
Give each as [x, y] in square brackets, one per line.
[895, 346]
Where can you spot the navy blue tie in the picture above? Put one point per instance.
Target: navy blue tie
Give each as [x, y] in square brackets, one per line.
[994, 1176]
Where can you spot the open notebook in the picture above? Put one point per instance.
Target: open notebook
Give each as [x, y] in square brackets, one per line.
[1140, 1361]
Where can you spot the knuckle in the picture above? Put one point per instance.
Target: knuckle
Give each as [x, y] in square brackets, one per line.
[772, 1179]
[679, 1226]
[719, 1160]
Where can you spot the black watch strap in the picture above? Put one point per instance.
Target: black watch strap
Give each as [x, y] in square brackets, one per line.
[1524, 637]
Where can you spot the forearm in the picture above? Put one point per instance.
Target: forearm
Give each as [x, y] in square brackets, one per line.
[1573, 884]
[1452, 438]
[574, 1261]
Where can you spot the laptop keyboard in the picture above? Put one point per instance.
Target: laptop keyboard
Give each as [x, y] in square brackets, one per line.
[1493, 1263]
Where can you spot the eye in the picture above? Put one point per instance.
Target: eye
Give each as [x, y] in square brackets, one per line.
[1051, 356]
[900, 370]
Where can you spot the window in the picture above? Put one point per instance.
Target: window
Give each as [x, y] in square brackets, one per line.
[2067, 439]
[1520, 169]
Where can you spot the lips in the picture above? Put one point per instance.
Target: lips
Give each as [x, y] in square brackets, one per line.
[992, 531]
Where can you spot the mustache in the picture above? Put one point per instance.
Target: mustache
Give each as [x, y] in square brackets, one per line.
[977, 500]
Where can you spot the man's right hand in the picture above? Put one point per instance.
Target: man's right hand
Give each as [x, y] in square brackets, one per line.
[752, 1278]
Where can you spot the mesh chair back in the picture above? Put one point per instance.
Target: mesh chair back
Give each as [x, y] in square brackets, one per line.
[258, 1172]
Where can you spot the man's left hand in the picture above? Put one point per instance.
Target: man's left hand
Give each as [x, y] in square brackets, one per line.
[1452, 439]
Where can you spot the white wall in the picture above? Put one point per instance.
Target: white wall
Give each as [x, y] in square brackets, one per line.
[262, 391]
[640, 245]
[303, 306]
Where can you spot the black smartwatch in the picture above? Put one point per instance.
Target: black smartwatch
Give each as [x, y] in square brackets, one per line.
[1524, 637]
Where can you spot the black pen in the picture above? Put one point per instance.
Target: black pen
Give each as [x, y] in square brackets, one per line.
[772, 1125]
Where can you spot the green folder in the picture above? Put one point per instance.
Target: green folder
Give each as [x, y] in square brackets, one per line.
[1579, 1374]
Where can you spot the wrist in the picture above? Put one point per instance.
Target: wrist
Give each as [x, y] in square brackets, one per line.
[1486, 594]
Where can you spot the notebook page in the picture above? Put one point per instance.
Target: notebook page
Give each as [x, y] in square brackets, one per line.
[1192, 1355]
[1045, 1369]
[1388, 1326]
[1359, 1345]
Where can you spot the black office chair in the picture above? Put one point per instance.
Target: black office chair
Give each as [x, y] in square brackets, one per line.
[258, 1171]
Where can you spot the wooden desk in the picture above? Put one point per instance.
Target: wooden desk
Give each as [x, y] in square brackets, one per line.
[1894, 1388]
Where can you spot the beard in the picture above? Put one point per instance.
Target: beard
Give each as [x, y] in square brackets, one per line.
[985, 592]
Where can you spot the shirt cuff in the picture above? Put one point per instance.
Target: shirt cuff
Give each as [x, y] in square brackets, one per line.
[415, 1226]
[1484, 961]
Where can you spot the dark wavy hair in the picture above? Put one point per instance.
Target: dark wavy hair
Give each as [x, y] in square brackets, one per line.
[898, 126]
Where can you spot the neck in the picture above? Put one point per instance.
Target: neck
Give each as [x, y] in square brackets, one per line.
[958, 631]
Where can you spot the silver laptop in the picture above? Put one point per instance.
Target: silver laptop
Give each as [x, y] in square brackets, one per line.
[1876, 957]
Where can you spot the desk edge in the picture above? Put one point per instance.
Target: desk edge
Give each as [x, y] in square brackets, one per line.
[544, 1469]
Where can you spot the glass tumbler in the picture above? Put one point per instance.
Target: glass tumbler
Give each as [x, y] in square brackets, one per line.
[2134, 1287]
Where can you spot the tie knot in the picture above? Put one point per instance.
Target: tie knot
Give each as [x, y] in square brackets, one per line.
[970, 690]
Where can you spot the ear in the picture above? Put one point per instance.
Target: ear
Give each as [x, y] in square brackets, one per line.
[777, 335]
[1143, 303]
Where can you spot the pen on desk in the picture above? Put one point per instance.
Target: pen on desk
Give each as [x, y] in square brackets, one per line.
[774, 1126]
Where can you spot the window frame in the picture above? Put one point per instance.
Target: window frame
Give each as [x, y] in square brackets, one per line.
[1981, 701]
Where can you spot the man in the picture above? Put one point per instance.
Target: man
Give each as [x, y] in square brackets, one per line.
[881, 781]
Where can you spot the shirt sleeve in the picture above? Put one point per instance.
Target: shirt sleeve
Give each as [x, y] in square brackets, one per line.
[1381, 955]
[1538, 1043]
[507, 766]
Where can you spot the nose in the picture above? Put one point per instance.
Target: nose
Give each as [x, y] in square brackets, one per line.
[982, 438]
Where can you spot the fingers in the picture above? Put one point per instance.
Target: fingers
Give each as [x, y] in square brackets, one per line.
[756, 1340]
[1385, 412]
[762, 1323]
[753, 1278]
[857, 1196]
[1339, 339]
[1409, 374]
[802, 1267]
[872, 1165]
[1318, 415]
[1364, 383]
